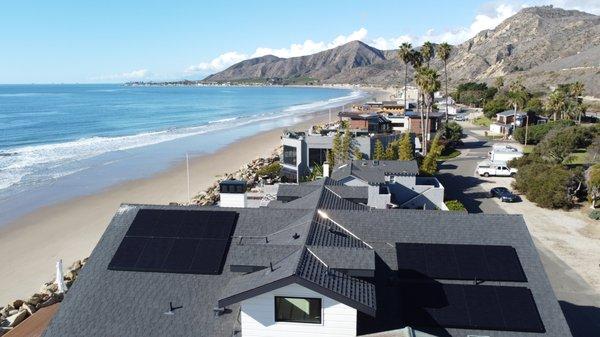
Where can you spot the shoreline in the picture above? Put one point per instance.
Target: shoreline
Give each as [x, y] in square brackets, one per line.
[69, 230]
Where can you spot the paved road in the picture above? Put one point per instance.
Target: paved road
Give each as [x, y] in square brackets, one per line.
[579, 302]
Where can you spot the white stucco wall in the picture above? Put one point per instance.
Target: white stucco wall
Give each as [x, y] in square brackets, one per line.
[258, 316]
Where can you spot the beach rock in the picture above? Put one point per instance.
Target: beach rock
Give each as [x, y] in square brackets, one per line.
[28, 307]
[71, 275]
[17, 318]
[35, 299]
[12, 312]
[54, 298]
[76, 265]
[17, 304]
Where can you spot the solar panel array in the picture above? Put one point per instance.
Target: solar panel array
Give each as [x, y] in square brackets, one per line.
[176, 241]
[459, 262]
[469, 307]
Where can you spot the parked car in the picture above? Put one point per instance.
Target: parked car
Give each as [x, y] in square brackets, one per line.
[504, 194]
[460, 118]
[501, 169]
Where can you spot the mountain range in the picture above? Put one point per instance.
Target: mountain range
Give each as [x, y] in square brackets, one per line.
[544, 46]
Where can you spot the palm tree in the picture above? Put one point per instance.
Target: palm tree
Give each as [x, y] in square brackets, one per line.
[427, 52]
[427, 80]
[576, 91]
[443, 52]
[556, 102]
[405, 54]
[517, 97]
[416, 60]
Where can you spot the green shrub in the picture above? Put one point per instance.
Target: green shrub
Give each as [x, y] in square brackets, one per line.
[455, 205]
[271, 170]
[595, 214]
[546, 184]
[536, 133]
[452, 132]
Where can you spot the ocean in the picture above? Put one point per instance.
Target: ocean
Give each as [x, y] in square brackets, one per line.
[62, 141]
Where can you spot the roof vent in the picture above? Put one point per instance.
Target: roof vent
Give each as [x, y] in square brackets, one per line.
[375, 162]
[296, 236]
[172, 309]
[220, 311]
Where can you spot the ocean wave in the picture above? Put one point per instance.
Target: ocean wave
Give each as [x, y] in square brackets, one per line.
[330, 103]
[52, 161]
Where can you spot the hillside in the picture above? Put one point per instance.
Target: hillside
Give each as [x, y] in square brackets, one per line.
[543, 45]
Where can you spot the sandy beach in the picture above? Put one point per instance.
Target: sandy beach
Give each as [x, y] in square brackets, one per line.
[31, 244]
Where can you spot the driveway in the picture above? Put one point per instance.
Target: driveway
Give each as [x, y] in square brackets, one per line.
[579, 301]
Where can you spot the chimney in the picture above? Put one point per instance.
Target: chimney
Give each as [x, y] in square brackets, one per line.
[232, 193]
[325, 169]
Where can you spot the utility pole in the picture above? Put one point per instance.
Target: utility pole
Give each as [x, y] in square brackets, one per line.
[187, 166]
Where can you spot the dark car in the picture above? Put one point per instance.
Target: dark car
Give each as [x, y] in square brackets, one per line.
[504, 194]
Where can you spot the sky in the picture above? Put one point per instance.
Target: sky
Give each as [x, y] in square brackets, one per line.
[108, 41]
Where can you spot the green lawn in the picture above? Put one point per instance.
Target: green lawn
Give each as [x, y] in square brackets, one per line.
[578, 157]
[448, 154]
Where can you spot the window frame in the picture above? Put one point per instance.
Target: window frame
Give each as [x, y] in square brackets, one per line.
[320, 322]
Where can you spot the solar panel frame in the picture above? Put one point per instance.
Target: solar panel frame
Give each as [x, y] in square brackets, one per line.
[176, 241]
[459, 262]
[461, 306]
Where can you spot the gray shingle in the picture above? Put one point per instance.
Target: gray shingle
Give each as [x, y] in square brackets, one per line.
[374, 171]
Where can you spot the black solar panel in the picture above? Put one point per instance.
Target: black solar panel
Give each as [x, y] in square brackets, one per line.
[469, 307]
[176, 241]
[459, 262]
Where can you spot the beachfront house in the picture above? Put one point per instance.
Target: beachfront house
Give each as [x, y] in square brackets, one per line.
[392, 184]
[370, 122]
[320, 265]
[303, 150]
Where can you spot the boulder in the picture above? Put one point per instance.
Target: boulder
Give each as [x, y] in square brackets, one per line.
[13, 312]
[54, 298]
[17, 318]
[28, 307]
[17, 304]
[76, 265]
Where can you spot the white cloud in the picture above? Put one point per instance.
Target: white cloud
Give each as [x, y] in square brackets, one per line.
[490, 15]
[139, 74]
[219, 63]
[297, 49]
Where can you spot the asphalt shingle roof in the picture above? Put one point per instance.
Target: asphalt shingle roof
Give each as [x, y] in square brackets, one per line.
[310, 243]
[374, 171]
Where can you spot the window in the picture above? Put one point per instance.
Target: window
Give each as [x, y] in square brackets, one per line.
[316, 156]
[298, 310]
[289, 155]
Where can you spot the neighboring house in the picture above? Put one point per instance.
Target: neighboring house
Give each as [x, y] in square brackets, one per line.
[413, 122]
[319, 265]
[392, 107]
[412, 93]
[392, 184]
[505, 121]
[303, 150]
[370, 122]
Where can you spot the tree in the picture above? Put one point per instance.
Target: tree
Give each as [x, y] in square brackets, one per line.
[499, 82]
[346, 146]
[556, 103]
[357, 153]
[557, 145]
[429, 165]
[427, 80]
[331, 158]
[336, 148]
[391, 152]
[405, 54]
[427, 52]
[593, 184]
[406, 150]
[379, 150]
[443, 52]
[594, 150]
[453, 132]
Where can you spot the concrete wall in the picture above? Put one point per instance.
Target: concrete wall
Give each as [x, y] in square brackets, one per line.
[258, 316]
